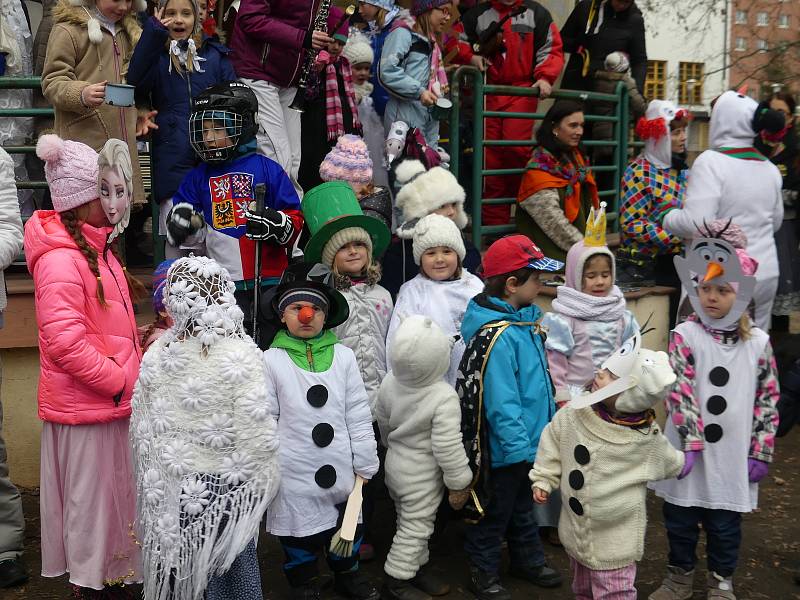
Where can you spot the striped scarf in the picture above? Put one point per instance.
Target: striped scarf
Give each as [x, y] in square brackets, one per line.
[333, 102]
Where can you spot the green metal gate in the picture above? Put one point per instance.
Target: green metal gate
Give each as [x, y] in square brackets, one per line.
[470, 79]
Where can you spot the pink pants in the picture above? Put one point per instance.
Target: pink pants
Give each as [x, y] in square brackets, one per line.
[614, 584]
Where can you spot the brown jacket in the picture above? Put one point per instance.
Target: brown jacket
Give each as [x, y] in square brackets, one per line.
[72, 63]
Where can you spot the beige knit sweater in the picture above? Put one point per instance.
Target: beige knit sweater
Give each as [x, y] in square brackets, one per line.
[602, 470]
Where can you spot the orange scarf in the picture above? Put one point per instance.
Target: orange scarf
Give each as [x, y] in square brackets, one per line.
[546, 172]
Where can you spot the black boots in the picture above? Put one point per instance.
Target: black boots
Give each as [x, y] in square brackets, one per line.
[354, 585]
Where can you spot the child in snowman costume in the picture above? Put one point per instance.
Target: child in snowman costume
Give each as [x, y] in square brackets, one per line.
[722, 413]
[733, 180]
[419, 416]
[324, 428]
[601, 450]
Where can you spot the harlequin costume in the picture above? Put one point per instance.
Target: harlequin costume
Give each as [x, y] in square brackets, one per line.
[325, 432]
[533, 52]
[655, 180]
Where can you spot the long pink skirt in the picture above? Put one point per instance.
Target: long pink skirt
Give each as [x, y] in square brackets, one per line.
[88, 504]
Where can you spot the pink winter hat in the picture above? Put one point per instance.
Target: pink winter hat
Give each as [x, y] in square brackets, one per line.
[71, 171]
[348, 161]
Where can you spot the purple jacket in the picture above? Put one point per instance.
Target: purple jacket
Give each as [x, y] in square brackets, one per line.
[268, 38]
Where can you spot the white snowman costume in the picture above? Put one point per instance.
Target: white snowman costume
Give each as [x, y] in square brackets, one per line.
[725, 185]
[326, 436]
[419, 416]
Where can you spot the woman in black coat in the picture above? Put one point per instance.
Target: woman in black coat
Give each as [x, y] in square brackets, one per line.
[601, 27]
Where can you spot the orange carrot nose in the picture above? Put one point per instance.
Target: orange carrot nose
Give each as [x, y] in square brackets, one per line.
[306, 315]
[714, 270]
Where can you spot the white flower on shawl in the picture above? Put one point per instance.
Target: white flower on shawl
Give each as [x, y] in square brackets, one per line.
[153, 486]
[237, 467]
[176, 358]
[162, 418]
[209, 327]
[143, 437]
[193, 394]
[237, 365]
[169, 530]
[227, 299]
[218, 431]
[204, 267]
[148, 369]
[254, 404]
[194, 497]
[178, 456]
[183, 297]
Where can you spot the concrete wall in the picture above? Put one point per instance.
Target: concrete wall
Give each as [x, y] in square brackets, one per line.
[692, 32]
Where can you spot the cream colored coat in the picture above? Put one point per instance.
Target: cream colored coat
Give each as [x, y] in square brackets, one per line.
[72, 63]
[602, 470]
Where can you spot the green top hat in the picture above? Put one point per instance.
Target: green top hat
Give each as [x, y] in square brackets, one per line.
[331, 207]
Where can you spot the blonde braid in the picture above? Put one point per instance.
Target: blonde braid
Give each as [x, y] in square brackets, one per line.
[73, 227]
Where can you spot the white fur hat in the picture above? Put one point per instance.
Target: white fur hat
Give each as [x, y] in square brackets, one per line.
[93, 25]
[436, 230]
[358, 49]
[423, 192]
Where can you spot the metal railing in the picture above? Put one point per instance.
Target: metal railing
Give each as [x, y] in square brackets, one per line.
[35, 83]
[469, 78]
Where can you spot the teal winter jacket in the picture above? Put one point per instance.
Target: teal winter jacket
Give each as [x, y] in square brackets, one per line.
[517, 390]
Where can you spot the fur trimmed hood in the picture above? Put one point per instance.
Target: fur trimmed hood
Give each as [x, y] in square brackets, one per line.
[80, 12]
[423, 192]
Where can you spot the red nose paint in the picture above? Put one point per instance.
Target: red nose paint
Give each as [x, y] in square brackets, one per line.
[306, 315]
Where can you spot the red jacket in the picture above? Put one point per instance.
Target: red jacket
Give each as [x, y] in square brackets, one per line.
[89, 353]
[268, 38]
[533, 43]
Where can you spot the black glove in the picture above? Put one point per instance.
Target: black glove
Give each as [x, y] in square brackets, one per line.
[268, 225]
[183, 221]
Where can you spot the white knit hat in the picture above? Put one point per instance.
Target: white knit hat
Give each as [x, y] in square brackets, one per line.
[423, 192]
[358, 49]
[617, 62]
[436, 230]
[342, 237]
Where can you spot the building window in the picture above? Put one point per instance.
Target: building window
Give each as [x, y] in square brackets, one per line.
[690, 76]
[762, 45]
[762, 19]
[655, 84]
[741, 44]
[741, 17]
[783, 21]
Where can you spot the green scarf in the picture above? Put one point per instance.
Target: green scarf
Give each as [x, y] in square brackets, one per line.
[314, 354]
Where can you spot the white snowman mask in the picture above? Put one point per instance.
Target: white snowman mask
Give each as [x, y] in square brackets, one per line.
[714, 259]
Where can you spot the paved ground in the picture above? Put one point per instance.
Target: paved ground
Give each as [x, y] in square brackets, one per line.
[770, 551]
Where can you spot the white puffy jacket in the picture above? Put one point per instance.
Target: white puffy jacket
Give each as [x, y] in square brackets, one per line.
[364, 333]
[10, 223]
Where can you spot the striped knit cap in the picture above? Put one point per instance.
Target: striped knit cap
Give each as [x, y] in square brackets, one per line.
[348, 161]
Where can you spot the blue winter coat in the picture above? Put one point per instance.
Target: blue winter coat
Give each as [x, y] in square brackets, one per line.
[517, 391]
[172, 155]
[379, 95]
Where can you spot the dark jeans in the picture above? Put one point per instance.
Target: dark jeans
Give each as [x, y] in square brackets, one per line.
[723, 536]
[300, 565]
[509, 515]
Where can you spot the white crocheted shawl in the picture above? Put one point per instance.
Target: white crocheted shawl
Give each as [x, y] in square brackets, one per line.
[203, 436]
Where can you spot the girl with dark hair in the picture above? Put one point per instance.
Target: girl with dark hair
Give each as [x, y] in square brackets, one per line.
[90, 356]
[558, 189]
[782, 149]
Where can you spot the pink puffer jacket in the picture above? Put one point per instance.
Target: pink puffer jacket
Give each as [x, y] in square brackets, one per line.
[89, 353]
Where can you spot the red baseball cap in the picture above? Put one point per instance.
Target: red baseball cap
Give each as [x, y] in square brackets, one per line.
[516, 252]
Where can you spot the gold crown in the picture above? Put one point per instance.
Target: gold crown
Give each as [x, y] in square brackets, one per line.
[596, 227]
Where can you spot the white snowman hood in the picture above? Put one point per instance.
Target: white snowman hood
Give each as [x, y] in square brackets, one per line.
[653, 128]
[643, 377]
[732, 121]
[714, 258]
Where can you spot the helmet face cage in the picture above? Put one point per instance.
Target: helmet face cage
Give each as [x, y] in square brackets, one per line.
[215, 134]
